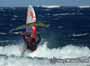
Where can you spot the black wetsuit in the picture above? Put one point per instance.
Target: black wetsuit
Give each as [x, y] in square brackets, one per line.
[31, 42]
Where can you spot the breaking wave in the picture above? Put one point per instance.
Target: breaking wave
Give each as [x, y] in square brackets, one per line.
[68, 51]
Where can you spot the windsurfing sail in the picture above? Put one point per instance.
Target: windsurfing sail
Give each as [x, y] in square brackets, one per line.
[30, 22]
[31, 19]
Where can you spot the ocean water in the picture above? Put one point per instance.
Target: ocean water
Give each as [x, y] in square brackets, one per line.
[68, 35]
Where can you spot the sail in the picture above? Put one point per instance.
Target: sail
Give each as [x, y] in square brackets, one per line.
[31, 18]
[30, 24]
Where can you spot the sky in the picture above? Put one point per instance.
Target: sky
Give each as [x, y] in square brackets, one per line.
[44, 2]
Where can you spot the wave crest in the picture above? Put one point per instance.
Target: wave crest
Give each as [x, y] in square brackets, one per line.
[68, 51]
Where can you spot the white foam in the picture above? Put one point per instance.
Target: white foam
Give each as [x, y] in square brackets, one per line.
[68, 51]
[82, 34]
[11, 50]
[51, 6]
[84, 6]
[57, 6]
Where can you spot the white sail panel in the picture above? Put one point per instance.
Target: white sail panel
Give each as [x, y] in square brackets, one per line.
[31, 17]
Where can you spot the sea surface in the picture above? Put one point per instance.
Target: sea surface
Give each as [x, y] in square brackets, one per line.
[68, 34]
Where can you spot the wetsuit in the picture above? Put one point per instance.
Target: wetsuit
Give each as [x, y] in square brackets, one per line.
[31, 43]
[32, 39]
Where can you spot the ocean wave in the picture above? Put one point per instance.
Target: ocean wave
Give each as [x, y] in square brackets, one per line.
[77, 35]
[11, 50]
[51, 6]
[65, 14]
[84, 6]
[68, 51]
[43, 51]
[58, 6]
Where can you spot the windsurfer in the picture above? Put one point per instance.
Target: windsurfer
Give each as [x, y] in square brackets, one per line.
[31, 39]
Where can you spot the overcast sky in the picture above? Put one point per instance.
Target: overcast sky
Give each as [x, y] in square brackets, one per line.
[44, 2]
